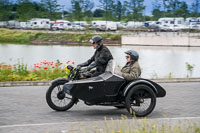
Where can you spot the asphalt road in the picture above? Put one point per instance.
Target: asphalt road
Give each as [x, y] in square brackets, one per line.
[23, 109]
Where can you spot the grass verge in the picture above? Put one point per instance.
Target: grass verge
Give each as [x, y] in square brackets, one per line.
[27, 37]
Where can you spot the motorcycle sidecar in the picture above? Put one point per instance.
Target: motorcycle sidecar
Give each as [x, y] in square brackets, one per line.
[138, 96]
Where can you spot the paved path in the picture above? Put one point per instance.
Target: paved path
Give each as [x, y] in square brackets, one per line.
[24, 109]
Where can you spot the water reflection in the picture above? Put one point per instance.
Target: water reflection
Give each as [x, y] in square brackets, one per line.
[155, 61]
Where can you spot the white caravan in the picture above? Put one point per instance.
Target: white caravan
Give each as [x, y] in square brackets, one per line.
[82, 23]
[112, 26]
[133, 24]
[39, 23]
[3, 24]
[13, 24]
[172, 24]
[24, 25]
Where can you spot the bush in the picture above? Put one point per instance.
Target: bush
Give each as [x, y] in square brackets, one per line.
[40, 71]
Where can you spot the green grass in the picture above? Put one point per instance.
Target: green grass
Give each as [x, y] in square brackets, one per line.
[16, 36]
[25, 37]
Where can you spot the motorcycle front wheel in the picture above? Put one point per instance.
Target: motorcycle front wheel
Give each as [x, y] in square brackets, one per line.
[57, 99]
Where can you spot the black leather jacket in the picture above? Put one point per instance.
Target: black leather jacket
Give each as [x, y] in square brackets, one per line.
[99, 60]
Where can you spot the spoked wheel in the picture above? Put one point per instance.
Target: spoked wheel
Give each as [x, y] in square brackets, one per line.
[140, 100]
[57, 99]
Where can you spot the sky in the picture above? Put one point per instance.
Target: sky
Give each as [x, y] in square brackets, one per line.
[147, 3]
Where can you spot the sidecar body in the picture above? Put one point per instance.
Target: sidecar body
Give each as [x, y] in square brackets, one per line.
[107, 87]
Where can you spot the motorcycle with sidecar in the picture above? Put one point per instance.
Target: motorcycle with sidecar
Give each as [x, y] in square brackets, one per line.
[108, 89]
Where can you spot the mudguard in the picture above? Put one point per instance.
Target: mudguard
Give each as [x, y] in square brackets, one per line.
[59, 80]
[159, 91]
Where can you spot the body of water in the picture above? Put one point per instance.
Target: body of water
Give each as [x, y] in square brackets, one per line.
[156, 62]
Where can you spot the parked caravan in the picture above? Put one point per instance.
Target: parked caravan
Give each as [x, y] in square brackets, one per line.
[112, 26]
[39, 23]
[24, 25]
[172, 24]
[96, 23]
[13, 24]
[132, 24]
[193, 21]
[81, 23]
[3, 24]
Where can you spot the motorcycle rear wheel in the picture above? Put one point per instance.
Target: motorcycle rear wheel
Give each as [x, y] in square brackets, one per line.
[57, 99]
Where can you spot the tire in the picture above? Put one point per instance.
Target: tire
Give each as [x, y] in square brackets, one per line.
[137, 100]
[60, 96]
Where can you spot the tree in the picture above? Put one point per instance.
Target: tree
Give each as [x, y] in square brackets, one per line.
[76, 10]
[25, 10]
[98, 13]
[195, 8]
[81, 9]
[182, 10]
[87, 7]
[157, 13]
[5, 10]
[136, 8]
[52, 8]
[107, 6]
[119, 11]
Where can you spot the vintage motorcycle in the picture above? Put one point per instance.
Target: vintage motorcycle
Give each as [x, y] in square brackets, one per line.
[108, 89]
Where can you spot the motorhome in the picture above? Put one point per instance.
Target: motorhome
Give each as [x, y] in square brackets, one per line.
[39, 23]
[133, 24]
[171, 21]
[96, 23]
[172, 24]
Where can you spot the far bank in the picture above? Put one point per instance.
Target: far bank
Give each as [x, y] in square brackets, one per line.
[52, 38]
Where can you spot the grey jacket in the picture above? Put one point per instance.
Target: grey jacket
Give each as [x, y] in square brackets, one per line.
[131, 70]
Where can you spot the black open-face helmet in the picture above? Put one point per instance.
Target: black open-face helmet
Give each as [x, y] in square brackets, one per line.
[96, 39]
[133, 54]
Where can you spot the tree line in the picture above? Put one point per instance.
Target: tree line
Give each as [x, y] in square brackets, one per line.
[85, 10]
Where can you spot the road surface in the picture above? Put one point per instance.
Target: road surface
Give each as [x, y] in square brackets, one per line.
[24, 109]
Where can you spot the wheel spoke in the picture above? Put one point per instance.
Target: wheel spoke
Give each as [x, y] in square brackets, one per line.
[59, 89]
[60, 102]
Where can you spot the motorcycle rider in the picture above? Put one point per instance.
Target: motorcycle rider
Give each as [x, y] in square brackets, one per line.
[99, 60]
[132, 69]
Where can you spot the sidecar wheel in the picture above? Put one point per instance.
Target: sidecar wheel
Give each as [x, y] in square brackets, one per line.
[140, 100]
[57, 99]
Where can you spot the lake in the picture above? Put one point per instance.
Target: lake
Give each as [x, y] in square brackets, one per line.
[156, 62]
